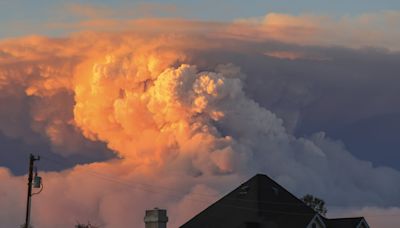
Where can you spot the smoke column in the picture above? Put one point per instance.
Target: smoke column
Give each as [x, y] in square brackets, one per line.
[182, 135]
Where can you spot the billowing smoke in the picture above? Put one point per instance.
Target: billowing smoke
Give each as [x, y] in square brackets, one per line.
[184, 132]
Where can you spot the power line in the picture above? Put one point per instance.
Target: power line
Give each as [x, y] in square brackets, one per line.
[151, 189]
[140, 186]
[175, 193]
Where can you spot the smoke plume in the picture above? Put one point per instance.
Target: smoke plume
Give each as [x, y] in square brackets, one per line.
[184, 131]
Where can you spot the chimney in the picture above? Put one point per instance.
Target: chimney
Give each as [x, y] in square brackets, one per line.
[156, 218]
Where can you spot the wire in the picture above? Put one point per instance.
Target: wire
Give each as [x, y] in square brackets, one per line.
[140, 186]
[116, 179]
[151, 187]
[148, 187]
[41, 189]
[129, 184]
[191, 197]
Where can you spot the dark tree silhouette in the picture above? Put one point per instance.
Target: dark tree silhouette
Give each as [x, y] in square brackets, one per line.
[315, 203]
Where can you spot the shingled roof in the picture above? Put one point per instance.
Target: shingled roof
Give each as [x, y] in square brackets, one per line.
[343, 222]
[260, 202]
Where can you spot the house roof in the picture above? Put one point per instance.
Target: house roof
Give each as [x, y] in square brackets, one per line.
[259, 202]
[343, 222]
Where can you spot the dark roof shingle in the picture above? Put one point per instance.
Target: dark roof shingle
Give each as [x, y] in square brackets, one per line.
[343, 222]
[259, 202]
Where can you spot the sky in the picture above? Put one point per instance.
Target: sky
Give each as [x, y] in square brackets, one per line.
[175, 104]
[26, 17]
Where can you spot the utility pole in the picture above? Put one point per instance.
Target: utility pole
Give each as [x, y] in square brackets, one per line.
[32, 160]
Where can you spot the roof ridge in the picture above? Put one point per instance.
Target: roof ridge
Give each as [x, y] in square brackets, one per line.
[259, 198]
[283, 188]
[358, 217]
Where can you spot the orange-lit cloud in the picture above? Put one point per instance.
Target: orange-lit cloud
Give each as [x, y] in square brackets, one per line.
[182, 134]
[127, 93]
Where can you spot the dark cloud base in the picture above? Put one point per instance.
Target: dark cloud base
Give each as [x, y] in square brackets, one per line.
[15, 156]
